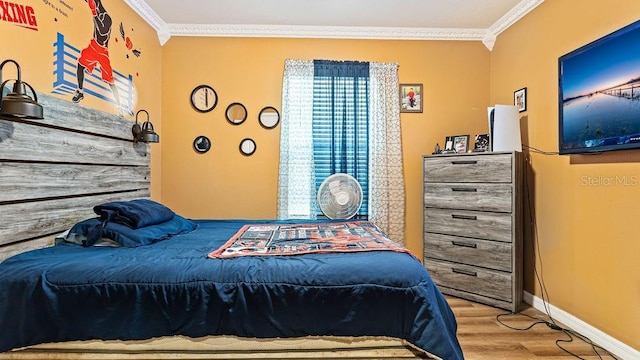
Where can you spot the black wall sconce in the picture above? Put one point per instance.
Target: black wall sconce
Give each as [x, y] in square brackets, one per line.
[18, 103]
[144, 133]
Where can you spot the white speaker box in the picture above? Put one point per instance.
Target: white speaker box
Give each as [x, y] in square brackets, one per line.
[504, 128]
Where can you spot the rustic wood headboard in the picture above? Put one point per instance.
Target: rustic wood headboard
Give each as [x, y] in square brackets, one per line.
[54, 171]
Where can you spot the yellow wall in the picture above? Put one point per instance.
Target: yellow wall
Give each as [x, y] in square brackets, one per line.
[586, 236]
[225, 184]
[33, 50]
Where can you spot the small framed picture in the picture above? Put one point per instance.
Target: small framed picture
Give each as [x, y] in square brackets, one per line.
[461, 143]
[448, 143]
[411, 98]
[457, 143]
[481, 143]
[520, 99]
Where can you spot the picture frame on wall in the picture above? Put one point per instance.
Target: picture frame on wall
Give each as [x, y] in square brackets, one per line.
[411, 98]
[520, 99]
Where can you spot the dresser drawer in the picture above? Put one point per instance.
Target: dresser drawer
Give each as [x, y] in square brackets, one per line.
[474, 196]
[471, 279]
[484, 253]
[468, 168]
[474, 224]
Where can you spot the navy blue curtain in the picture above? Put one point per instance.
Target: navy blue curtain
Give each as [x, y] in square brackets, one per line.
[341, 121]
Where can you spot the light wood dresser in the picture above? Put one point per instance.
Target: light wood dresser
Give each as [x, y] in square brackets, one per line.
[473, 226]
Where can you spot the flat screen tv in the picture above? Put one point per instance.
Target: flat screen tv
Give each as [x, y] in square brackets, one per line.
[599, 94]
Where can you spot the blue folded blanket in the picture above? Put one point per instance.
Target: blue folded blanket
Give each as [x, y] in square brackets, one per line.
[93, 229]
[134, 213]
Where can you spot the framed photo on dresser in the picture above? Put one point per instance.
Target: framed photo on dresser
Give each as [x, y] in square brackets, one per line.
[481, 143]
[457, 143]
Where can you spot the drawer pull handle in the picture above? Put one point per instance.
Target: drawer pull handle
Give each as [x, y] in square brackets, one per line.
[464, 189]
[464, 162]
[464, 272]
[469, 245]
[464, 217]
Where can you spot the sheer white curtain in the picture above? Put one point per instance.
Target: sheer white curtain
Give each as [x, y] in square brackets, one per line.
[296, 183]
[386, 175]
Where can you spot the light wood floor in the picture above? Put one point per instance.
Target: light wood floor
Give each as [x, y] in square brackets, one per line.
[482, 337]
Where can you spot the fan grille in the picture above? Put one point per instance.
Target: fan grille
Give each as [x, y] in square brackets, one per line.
[340, 196]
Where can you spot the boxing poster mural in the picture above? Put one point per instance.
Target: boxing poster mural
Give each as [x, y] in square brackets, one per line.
[89, 70]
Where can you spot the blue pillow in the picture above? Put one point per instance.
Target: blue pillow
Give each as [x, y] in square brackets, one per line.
[134, 213]
[129, 237]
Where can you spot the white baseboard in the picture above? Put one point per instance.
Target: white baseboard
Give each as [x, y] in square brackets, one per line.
[616, 347]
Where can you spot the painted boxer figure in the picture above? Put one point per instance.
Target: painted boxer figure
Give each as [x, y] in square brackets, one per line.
[97, 53]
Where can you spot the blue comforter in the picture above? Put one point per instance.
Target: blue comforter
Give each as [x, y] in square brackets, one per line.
[69, 292]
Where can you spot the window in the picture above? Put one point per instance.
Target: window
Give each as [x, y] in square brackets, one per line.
[374, 98]
[340, 123]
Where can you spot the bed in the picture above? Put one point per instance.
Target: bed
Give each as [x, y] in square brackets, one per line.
[172, 287]
[174, 298]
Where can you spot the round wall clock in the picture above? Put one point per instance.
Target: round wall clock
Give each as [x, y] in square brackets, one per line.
[204, 98]
[247, 147]
[201, 144]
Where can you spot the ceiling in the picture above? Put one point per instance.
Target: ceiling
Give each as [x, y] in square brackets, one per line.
[479, 20]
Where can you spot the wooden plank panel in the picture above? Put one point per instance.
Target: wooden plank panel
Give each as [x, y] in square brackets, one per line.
[22, 221]
[23, 141]
[14, 249]
[63, 113]
[27, 181]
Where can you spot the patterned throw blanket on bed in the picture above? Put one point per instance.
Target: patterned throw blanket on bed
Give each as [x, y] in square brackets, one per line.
[295, 239]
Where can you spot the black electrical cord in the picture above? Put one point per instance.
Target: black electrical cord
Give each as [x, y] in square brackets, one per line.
[570, 333]
[535, 150]
[538, 321]
[551, 323]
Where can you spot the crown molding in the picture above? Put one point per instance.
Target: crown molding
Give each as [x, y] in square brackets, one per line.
[328, 32]
[511, 17]
[152, 18]
[487, 36]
